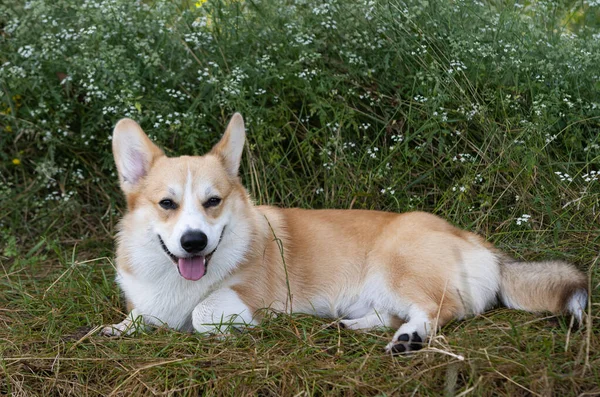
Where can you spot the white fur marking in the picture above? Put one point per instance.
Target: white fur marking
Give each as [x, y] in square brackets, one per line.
[371, 321]
[192, 218]
[219, 311]
[577, 304]
[418, 322]
[479, 280]
[133, 323]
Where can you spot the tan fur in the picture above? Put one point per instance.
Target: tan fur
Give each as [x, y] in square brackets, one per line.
[323, 261]
[325, 250]
[529, 283]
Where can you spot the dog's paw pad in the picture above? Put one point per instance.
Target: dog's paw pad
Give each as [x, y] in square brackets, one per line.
[405, 343]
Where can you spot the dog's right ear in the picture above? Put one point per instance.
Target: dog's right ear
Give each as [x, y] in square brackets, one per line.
[134, 153]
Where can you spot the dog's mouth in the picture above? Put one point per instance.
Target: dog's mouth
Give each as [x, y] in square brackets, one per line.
[193, 267]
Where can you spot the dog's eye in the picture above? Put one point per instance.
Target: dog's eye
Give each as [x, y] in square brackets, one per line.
[168, 204]
[212, 202]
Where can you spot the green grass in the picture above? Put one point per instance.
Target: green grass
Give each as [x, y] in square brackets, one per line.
[49, 348]
[467, 110]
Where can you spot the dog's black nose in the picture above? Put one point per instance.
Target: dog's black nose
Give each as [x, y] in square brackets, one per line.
[193, 241]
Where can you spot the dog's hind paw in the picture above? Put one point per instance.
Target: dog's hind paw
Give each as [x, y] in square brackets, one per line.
[404, 344]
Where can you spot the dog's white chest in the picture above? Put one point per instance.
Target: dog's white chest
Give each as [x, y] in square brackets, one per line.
[168, 301]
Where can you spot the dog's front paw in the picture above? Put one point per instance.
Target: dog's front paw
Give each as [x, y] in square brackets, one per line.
[405, 343]
[129, 326]
[112, 331]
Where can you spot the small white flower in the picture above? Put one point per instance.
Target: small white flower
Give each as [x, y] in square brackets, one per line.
[388, 190]
[591, 176]
[563, 176]
[397, 138]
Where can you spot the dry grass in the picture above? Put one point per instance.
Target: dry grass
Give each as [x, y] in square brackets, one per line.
[49, 346]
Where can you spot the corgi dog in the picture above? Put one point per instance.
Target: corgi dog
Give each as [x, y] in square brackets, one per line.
[194, 253]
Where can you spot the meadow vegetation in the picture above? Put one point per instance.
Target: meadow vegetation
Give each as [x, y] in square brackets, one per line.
[486, 113]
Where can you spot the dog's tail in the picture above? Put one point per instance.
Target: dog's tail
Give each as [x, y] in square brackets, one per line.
[553, 286]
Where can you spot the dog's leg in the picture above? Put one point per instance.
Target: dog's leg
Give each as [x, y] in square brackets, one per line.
[221, 310]
[133, 323]
[375, 320]
[412, 334]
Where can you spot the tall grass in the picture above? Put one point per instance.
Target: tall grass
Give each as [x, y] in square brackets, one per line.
[485, 113]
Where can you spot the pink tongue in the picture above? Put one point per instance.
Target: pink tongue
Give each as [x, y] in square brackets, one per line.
[192, 268]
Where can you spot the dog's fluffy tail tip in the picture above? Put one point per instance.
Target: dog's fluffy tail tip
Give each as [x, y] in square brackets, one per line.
[577, 303]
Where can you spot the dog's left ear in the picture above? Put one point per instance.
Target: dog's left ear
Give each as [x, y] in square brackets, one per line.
[231, 145]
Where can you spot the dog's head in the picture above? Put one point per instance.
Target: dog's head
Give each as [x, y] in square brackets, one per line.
[182, 204]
